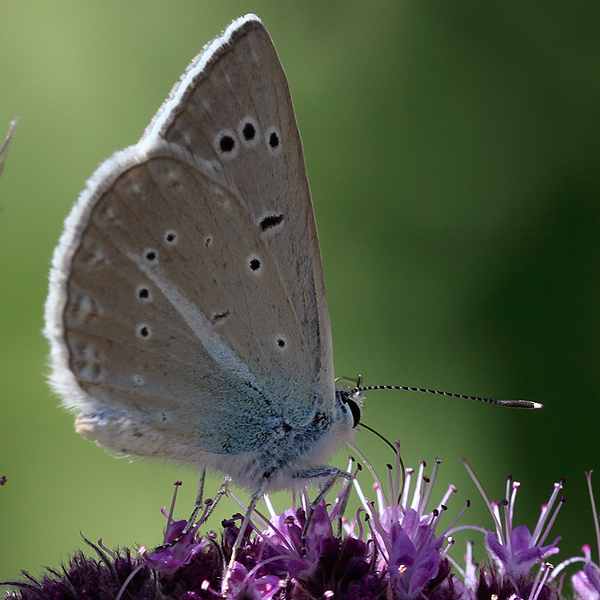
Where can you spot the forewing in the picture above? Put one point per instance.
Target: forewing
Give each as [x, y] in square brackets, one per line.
[187, 288]
[237, 90]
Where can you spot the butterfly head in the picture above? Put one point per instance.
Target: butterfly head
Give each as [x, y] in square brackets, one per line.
[350, 401]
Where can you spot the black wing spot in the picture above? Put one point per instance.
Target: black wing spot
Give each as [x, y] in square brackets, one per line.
[270, 221]
[143, 331]
[274, 140]
[254, 264]
[207, 241]
[249, 132]
[171, 237]
[227, 144]
[221, 316]
[281, 342]
[151, 255]
[143, 293]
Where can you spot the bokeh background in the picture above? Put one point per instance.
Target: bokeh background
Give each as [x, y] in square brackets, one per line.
[452, 148]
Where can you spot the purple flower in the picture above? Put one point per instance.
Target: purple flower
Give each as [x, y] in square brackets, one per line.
[177, 549]
[329, 567]
[586, 583]
[87, 578]
[188, 567]
[168, 559]
[391, 550]
[514, 548]
[245, 584]
[405, 535]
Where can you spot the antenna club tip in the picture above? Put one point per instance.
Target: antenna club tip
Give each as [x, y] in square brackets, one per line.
[520, 404]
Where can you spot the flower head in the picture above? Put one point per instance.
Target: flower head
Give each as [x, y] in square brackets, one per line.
[586, 582]
[323, 566]
[514, 548]
[404, 531]
[393, 549]
[179, 546]
[245, 584]
[85, 578]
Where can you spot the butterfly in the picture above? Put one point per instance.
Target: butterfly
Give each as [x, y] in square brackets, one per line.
[187, 314]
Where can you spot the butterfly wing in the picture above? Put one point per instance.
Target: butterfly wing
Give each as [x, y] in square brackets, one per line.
[234, 107]
[187, 313]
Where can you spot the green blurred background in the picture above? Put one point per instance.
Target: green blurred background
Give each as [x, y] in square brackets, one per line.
[452, 149]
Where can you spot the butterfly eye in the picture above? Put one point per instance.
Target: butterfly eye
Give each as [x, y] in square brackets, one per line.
[355, 410]
[226, 144]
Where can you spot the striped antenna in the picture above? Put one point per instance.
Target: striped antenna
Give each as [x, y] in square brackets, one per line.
[406, 388]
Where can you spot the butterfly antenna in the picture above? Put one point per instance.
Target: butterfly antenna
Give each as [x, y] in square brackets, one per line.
[379, 435]
[395, 449]
[355, 381]
[406, 388]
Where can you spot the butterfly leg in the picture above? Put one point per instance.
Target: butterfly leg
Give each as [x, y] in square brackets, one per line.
[221, 492]
[240, 536]
[197, 505]
[332, 474]
[344, 505]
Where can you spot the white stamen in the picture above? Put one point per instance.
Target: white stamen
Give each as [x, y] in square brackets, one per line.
[269, 506]
[405, 491]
